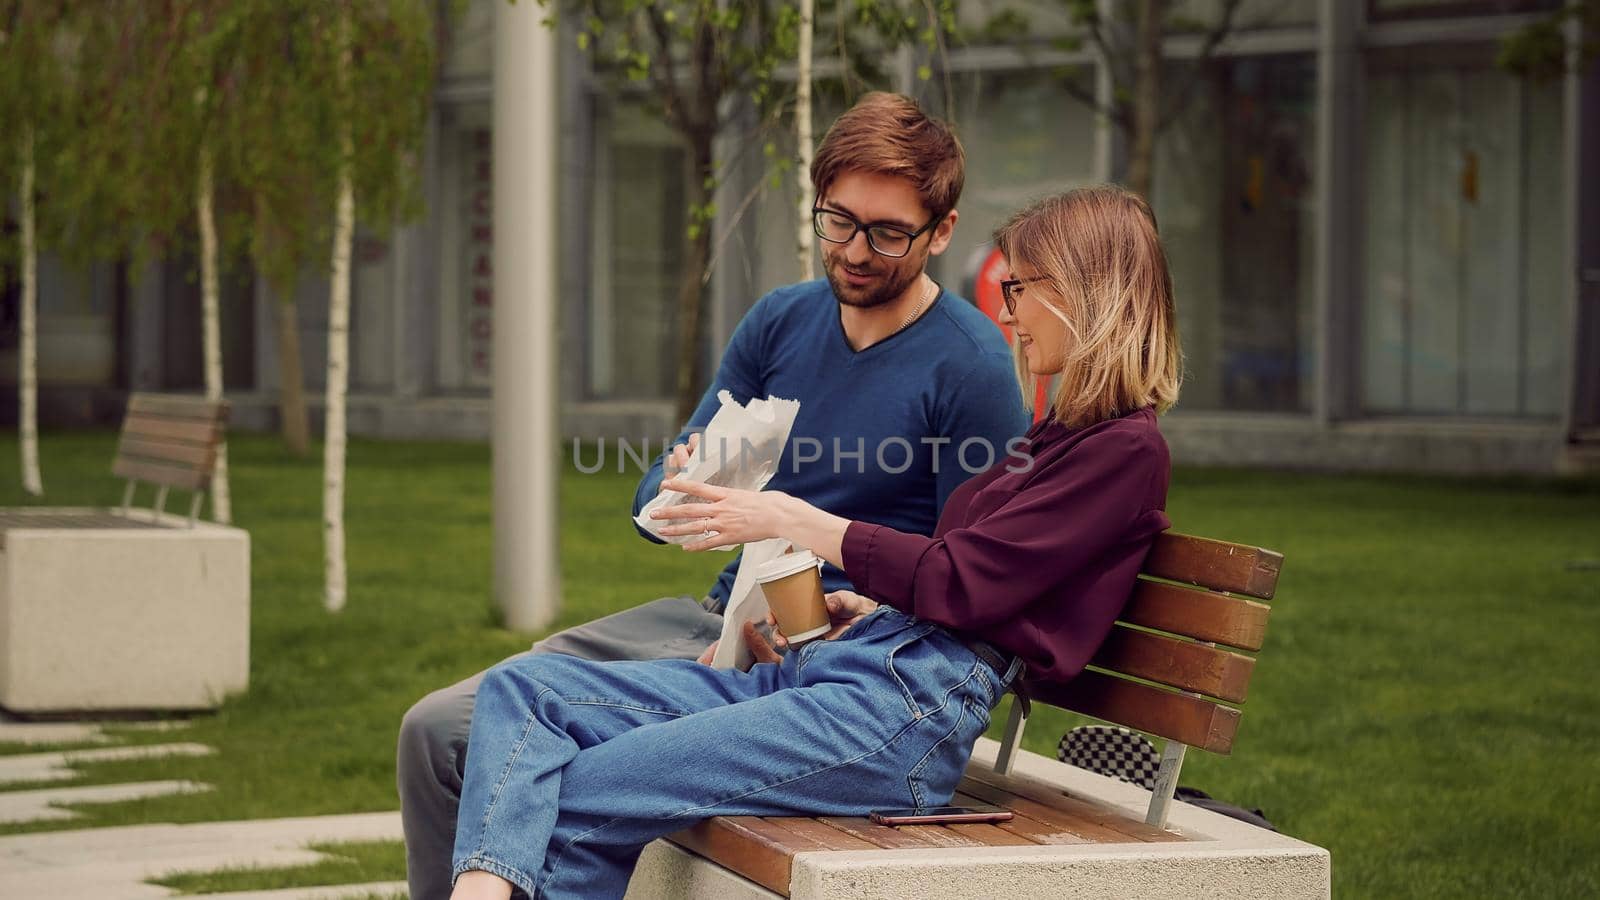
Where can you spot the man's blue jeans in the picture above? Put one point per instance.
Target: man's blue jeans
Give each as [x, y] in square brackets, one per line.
[573, 766]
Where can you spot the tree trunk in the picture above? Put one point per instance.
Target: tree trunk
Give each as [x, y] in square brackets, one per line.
[221, 503]
[292, 416]
[802, 130]
[691, 286]
[27, 377]
[338, 355]
[1146, 96]
[292, 420]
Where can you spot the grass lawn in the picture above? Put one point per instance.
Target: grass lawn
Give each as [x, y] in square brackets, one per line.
[1420, 708]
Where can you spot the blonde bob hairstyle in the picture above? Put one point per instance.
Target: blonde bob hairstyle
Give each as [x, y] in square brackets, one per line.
[1098, 248]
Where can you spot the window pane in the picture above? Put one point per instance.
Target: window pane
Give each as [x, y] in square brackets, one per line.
[1025, 138]
[466, 257]
[1234, 194]
[1464, 236]
[640, 215]
[1417, 9]
[468, 53]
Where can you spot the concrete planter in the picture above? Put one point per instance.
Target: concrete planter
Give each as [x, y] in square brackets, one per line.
[98, 613]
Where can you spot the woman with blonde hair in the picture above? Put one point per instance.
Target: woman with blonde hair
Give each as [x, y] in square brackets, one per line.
[573, 766]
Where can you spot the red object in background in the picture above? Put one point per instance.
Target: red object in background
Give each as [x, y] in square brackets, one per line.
[986, 288]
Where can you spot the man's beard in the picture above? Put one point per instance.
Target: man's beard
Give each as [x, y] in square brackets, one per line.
[895, 283]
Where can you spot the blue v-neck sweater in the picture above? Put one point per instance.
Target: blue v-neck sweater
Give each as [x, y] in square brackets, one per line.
[884, 434]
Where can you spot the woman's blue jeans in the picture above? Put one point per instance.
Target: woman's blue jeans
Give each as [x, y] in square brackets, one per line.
[573, 766]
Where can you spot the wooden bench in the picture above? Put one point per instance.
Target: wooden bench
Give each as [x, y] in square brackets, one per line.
[170, 442]
[127, 608]
[1170, 668]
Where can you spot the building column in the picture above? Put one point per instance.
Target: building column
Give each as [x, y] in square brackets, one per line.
[526, 441]
[1583, 216]
[1338, 287]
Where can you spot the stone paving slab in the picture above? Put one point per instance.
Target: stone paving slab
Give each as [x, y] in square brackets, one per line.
[60, 766]
[44, 805]
[15, 732]
[113, 863]
[21, 731]
[333, 892]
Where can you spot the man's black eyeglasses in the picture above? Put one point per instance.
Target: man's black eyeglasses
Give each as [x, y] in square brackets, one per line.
[1008, 292]
[885, 240]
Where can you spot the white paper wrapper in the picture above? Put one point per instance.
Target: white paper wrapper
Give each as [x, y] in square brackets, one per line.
[746, 603]
[740, 448]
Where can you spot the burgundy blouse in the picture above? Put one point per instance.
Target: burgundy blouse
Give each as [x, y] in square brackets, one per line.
[1037, 555]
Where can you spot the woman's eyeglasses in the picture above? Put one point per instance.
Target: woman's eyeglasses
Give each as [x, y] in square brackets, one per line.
[1009, 291]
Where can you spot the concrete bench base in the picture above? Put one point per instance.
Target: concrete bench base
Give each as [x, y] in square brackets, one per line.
[94, 616]
[1220, 857]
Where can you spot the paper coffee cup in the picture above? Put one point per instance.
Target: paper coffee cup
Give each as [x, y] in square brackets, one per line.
[792, 584]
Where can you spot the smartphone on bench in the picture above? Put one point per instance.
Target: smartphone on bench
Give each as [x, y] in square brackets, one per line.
[941, 815]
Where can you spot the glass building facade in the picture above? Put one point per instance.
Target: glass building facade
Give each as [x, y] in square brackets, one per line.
[1382, 243]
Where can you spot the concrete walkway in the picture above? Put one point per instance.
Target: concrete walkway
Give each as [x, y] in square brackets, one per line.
[113, 863]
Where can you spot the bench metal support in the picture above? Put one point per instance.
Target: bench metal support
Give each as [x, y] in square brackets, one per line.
[1166, 782]
[1011, 742]
[194, 506]
[161, 502]
[127, 497]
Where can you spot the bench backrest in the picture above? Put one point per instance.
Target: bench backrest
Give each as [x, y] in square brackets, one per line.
[170, 441]
[1171, 666]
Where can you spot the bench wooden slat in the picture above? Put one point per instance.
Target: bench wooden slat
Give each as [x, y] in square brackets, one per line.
[992, 835]
[1202, 615]
[174, 406]
[1178, 663]
[1218, 565]
[156, 473]
[878, 835]
[750, 846]
[1029, 828]
[201, 458]
[821, 832]
[1073, 829]
[1102, 824]
[1189, 720]
[183, 431]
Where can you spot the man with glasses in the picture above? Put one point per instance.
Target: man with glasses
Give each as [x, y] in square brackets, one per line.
[905, 391]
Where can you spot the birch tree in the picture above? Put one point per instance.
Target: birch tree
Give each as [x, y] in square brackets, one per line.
[802, 132]
[377, 60]
[31, 85]
[210, 317]
[333, 459]
[27, 377]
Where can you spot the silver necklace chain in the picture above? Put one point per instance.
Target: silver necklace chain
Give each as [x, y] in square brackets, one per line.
[932, 285]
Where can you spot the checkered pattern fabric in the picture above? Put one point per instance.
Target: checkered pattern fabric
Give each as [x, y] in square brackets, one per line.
[1110, 750]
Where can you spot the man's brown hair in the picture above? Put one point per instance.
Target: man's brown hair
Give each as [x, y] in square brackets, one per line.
[889, 134]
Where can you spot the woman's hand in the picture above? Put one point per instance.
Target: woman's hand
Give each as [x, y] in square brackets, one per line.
[845, 608]
[726, 516]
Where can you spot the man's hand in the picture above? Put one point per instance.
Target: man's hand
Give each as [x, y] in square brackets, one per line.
[845, 608]
[759, 647]
[678, 458]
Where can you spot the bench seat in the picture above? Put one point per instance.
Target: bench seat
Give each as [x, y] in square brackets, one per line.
[1075, 834]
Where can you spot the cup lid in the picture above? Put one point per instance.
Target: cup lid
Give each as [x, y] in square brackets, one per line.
[786, 565]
